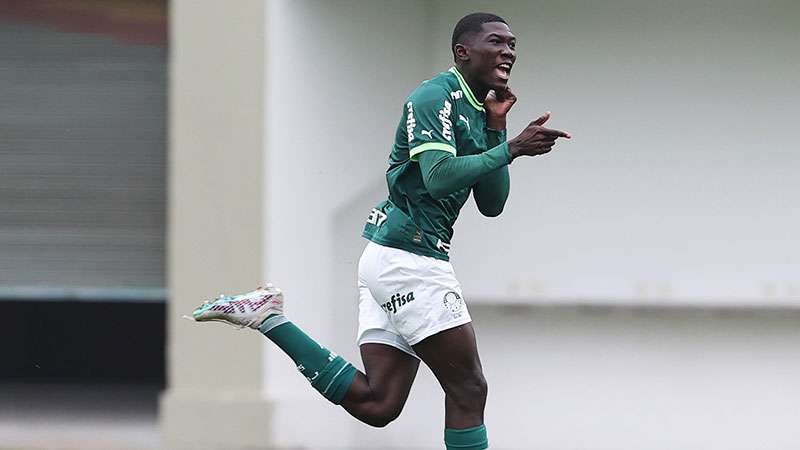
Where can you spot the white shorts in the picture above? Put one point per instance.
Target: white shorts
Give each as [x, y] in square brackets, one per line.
[405, 298]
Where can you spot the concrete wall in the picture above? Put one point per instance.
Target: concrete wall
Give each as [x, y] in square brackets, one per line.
[215, 222]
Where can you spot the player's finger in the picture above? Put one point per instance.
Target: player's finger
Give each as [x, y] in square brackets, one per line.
[547, 143]
[556, 133]
[541, 120]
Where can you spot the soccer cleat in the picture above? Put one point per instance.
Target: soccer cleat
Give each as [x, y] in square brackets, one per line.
[244, 310]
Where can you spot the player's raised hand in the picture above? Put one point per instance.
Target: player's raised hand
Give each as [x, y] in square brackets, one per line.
[497, 105]
[535, 139]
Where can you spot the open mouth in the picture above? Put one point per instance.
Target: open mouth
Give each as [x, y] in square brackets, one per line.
[503, 71]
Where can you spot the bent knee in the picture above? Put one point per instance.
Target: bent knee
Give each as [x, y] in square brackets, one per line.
[469, 392]
[383, 415]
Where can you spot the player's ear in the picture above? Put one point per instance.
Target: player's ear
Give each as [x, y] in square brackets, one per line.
[461, 52]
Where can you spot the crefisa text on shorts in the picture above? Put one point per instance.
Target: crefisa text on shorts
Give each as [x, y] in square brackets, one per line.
[397, 301]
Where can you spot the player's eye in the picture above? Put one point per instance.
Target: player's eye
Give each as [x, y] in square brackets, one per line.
[512, 45]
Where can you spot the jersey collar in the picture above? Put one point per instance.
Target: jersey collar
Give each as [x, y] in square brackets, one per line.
[467, 91]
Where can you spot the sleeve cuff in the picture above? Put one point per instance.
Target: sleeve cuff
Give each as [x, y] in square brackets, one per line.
[501, 152]
[414, 152]
[495, 137]
[499, 133]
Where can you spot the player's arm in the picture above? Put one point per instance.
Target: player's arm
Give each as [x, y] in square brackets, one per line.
[444, 173]
[491, 190]
[432, 144]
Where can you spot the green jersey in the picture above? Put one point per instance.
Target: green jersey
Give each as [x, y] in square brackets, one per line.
[442, 114]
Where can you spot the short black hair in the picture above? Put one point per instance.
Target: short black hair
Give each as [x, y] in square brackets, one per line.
[472, 23]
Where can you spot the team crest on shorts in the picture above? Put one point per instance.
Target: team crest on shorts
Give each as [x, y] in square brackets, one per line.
[454, 303]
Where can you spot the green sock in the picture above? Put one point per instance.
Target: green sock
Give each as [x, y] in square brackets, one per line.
[466, 439]
[328, 373]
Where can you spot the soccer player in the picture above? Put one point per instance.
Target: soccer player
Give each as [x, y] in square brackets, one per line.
[451, 141]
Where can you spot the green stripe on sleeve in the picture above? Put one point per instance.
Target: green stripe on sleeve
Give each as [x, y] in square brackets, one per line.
[414, 152]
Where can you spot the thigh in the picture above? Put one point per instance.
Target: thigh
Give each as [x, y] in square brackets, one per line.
[452, 355]
[374, 326]
[389, 369]
[386, 383]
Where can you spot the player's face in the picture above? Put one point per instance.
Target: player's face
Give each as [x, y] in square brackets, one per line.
[492, 54]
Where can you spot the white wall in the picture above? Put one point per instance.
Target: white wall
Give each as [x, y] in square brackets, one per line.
[604, 220]
[680, 182]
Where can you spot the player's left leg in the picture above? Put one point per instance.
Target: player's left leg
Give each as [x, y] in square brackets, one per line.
[452, 356]
[435, 322]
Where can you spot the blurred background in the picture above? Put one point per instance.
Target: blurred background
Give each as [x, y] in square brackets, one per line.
[641, 290]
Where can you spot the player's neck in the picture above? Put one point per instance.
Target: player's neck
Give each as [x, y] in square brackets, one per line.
[478, 89]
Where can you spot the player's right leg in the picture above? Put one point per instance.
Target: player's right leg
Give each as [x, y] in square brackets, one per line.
[377, 396]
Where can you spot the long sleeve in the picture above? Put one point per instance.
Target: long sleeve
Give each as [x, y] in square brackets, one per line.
[491, 190]
[443, 173]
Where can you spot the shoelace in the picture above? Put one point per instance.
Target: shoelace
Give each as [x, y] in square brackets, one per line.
[220, 298]
[223, 297]
[207, 303]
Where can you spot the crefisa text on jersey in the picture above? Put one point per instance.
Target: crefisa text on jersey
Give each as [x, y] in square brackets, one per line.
[444, 117]
[411, 123]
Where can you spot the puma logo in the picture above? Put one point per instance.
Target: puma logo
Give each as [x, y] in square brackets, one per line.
[443, 246]
[428, 133]
[465, 120]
